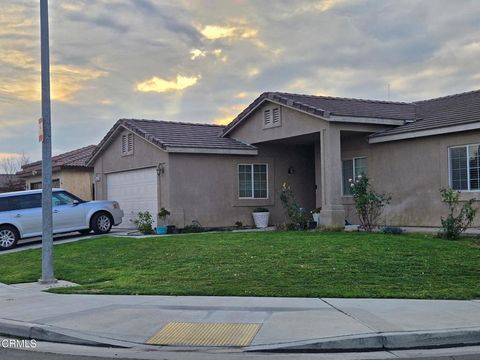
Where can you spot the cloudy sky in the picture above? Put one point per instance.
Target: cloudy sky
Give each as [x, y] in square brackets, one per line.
[205, 60]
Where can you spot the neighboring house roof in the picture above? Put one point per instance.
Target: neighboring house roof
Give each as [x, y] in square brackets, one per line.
[440, 115]
[72, 159]
[327, 106]
[173, 136]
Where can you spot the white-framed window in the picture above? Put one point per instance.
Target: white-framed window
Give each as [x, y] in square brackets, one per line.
[464, 167]
[272, 117]
[127, 144]
[351, 168]
[253, 181]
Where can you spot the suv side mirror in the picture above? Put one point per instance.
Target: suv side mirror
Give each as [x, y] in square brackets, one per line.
[75, 202]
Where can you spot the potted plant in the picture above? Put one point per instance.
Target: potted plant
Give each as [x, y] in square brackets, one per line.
[162, 216]
[316, 215]
[260, 217]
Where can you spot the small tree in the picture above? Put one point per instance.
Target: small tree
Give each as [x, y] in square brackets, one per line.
[9, 166]
[297, 215]
[162, 215]
[143, 222]
[368, 203]
[457, 221]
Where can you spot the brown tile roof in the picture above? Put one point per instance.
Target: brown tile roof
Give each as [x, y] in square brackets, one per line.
[327, 105]
[72, 159]
[170, 135]
[458, 109]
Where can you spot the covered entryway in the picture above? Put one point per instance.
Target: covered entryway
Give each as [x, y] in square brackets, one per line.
[135, 190]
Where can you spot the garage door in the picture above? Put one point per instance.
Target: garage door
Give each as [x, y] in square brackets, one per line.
[135, 190]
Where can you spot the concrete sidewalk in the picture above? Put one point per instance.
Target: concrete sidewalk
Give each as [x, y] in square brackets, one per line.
[287, 324]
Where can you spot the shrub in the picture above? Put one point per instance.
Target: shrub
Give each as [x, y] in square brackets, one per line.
[143, 222]
[162, 215]
[368, 203]
[392, 230]
[260, 209]
[297, 215]
[194, 228]
[457, 221]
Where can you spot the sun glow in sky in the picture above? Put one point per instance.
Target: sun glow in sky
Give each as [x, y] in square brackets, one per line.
[186, 60]
[156, 84]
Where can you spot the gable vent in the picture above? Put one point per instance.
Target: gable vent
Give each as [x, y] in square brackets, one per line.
[276, 115]
[267, 117]
[127, 144]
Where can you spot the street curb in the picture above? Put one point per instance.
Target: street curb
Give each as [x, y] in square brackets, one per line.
[56, 334]
[380, 341]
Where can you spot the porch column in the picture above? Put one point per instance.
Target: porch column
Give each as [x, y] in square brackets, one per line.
[333, 213]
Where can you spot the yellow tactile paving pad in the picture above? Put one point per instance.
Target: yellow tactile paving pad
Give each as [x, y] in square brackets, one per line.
[205, 334]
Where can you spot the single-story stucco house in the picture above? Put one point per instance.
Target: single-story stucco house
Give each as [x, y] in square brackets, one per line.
[69, 171]
[217, 175]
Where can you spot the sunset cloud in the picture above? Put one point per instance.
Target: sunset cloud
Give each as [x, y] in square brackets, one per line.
[215, 32]
[196, 53]
[66, 81]
[156, 84]
[228, 113]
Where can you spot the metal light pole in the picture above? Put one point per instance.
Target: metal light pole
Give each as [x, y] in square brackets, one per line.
[47, 221]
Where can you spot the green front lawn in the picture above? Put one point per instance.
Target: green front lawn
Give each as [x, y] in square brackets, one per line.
[312, 264]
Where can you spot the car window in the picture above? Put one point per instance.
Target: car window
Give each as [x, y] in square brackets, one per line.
[21, 202]
[62, 198]
[29, 201]
[5, 204]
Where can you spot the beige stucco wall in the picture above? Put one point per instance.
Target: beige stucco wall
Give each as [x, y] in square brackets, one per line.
[206, 186]
[145, 155]
[77, 181]
[412, 172]
[293, 123]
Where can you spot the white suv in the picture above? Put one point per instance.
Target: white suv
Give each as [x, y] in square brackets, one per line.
[21, 215]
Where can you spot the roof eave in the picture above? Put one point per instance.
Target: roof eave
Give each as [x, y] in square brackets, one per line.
[367, 120]
[198, 150]
[377, 138]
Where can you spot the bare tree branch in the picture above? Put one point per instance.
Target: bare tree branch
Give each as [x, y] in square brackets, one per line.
[10, 165]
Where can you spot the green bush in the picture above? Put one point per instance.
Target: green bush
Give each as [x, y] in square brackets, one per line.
[393, 230]
[368, 203]
[143, 222]
[457, 221]
[162, 215]
[194, 228]
[297, 215]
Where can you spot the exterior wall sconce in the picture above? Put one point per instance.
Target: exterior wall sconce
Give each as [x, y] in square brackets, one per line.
[160, 169]
[97, 178]
[291, 170]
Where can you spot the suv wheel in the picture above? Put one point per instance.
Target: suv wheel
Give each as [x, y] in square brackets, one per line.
[101, 223]
[8, 237]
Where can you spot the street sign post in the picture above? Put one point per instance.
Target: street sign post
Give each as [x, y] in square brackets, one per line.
[46, 138]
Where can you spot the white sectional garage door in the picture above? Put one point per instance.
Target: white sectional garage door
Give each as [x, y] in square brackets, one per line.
[135, 190]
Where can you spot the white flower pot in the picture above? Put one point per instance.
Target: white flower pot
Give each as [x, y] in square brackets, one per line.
[261, 219]
[316, 218]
